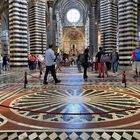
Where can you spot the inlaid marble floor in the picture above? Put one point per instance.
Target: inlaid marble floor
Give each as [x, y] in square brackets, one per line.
[101, 108]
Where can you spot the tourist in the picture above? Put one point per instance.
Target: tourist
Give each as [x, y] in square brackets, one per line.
[4, 63]
[58, 62]
[79, 64]
[107, 63]
[50, 57]
[136, 61]
[114, 57]
[85, 63]
[100, 61]
[31, 60]
[1, 61]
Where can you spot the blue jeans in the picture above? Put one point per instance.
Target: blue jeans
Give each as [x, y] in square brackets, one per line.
[115, 66]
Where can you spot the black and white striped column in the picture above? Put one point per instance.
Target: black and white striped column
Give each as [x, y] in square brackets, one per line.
[18, 41]
[87, 32]
[108, 24]
[92, 31]
[59, 31]
[0, 36]
[51, 23]
[138, 19]
[37, 26]
[127, 10]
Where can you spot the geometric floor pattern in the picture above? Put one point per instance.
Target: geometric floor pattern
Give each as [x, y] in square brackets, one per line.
[70, 135]
[100, 109]
[74, 107]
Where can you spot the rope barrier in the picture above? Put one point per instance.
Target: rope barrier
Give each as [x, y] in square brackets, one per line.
[34, 77]
[84, 113]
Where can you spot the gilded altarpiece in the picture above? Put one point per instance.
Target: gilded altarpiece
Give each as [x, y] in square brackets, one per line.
[73, 40]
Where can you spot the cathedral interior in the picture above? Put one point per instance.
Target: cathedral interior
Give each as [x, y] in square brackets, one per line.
[97, 109]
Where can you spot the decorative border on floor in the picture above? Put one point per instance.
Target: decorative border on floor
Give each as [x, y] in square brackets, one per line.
[70, 135]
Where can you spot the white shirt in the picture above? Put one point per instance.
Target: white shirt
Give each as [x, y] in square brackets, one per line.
[40, 58]
[1, 59]
[49, 57]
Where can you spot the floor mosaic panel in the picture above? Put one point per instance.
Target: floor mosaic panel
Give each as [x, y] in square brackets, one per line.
[74, 109]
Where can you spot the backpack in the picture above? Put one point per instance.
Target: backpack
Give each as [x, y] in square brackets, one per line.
[82, 58]
[137, 56]
[117, 56]
[102, 58]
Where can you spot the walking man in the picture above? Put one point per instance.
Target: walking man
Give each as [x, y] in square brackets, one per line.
[50, 66]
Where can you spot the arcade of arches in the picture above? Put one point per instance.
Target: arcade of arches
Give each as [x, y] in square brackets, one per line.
[33, 32]
[98, 108]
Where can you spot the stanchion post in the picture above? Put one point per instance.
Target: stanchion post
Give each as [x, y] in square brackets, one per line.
[40, 72]
[25, 79]
[124, 79]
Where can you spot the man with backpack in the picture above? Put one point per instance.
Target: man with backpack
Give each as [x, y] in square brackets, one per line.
[114, 57]
[83, 58]
[136, 61]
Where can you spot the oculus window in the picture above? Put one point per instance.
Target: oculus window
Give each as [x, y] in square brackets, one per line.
[73, 15]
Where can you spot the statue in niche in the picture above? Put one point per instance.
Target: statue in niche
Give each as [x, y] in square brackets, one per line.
[73, 51]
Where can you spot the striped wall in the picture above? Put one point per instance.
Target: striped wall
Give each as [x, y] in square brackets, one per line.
[127, 18]
[96, 25]
[92, 30]
[0, 38]
[37, 27]
[51, 23]
[59, 31]
[18, 32]
[108, 24]
[138, 19]
[87, 32]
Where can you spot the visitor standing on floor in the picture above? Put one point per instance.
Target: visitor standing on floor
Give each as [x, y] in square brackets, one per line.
[136, 61]
[79, 63]
[85, 63]
[107, 63]
[4, 65]
[58, 62]
[100, 61]
[32, 61]
[50, 58]
[40, 63]
[114, 57]
[1, 61]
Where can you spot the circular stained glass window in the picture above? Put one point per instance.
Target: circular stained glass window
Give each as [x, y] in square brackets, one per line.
[73, 15]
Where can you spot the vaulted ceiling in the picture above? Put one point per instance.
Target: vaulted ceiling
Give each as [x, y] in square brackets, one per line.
[63, 6]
